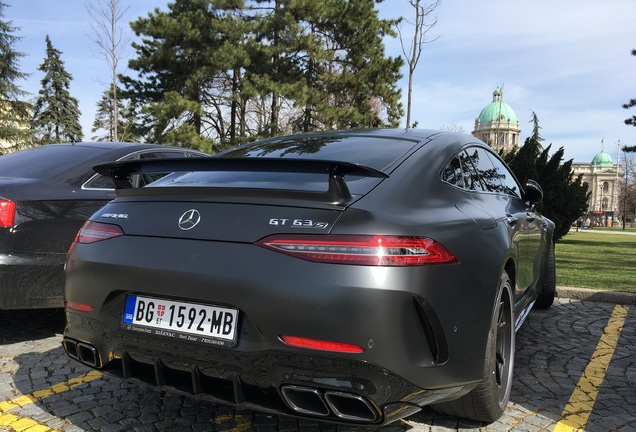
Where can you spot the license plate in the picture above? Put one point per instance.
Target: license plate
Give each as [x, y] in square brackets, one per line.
[194, 322]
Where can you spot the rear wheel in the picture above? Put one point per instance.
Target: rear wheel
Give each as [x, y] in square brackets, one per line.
[488, 400]
[548, 285]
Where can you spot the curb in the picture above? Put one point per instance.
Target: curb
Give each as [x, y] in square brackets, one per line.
[623, 298]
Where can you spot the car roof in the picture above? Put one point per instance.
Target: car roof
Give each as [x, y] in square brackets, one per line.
[108, 145]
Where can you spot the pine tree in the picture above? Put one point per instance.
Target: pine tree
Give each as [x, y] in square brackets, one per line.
[105, 120]
[189, 62]
[14, 114]
[227, 70]
[632, 103]
[56, 116]
[345, 79]
[565, 197]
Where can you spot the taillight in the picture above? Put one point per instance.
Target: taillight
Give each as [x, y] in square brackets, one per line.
[7, 213]
[93, 232]
[361, 250]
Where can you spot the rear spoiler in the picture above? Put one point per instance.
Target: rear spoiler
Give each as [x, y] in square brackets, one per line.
[122, 171]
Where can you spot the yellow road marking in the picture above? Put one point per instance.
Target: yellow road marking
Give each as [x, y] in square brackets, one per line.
[579, 407]
[17, 423]
[242, 423]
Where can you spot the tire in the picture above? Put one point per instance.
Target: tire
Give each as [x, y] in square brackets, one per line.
[489, 399]
[548, 285]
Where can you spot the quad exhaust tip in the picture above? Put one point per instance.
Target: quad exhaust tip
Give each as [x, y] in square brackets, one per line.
[312, 401]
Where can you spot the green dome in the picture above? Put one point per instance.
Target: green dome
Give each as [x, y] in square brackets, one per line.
[602, 159]
[497, 111]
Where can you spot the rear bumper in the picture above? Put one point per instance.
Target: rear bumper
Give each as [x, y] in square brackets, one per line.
[325, 387]
[422, 328]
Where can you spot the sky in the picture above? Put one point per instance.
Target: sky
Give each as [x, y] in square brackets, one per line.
[569, 61]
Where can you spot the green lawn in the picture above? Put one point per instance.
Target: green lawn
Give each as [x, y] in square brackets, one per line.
[593, 260]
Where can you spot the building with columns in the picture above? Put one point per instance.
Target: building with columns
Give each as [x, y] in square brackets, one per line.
[497, 124]
[603, 178]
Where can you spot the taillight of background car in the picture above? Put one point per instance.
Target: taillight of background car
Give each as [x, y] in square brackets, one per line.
[7, 213]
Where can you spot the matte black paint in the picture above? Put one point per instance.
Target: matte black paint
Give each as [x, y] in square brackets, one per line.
[423, 329]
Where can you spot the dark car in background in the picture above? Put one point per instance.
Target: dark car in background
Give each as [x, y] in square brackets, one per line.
[46, 194]
[350, 276]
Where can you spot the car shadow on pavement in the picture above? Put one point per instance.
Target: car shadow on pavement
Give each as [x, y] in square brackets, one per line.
[24, 325]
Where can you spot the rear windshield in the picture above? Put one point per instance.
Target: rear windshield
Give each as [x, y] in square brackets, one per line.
[45, 161]
[378, 153]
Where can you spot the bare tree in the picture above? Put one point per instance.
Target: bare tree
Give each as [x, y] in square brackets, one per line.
[414, 50]
[453, 127]
[111, 42]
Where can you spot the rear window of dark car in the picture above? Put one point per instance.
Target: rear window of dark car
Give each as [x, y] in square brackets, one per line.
[46, 161]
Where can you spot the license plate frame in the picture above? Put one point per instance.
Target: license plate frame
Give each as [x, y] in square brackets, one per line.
[182, 320]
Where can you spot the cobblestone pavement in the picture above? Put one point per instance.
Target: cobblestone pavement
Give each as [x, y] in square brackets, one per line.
[575, 369]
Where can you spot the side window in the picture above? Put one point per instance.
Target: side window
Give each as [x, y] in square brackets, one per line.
[469, 159]
[478, 170]
[453, 174]
[507, 179]
[99, 181]
[485, 169]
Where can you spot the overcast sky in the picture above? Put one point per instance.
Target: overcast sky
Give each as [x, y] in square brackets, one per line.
[569, 61]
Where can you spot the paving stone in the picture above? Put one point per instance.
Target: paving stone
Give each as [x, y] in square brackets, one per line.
[553, 349]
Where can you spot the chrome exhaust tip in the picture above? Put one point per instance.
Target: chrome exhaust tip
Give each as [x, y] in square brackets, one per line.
[350, 406]
[305, 400]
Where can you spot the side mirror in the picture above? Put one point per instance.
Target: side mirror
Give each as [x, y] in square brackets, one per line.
[533, 192]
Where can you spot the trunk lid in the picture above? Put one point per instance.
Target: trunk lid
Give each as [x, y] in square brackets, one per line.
[235, 200]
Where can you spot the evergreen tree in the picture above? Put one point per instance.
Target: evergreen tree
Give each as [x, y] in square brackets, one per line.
[226, 70]
[105, 120]
[340, 77]
[14, 114]
[565, 197]
[631, 104]
[56, 117]
[187, 62]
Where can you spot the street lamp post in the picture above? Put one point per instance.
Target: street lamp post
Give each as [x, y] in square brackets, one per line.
[627, 149]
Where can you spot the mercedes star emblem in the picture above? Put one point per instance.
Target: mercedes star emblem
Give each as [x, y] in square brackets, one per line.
[189, 219]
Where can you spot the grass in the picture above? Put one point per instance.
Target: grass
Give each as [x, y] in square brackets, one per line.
[615, 229]
[597, 260]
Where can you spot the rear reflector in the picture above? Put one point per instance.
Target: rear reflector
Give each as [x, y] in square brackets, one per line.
[321, 345]
[78, 306]
[7, 213]
[93, 232]
[361, 250]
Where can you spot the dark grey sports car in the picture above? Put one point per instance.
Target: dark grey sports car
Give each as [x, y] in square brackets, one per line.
[350, 276]
[46, 194]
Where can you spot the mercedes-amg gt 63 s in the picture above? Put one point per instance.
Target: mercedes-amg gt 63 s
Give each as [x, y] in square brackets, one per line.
[348, 276]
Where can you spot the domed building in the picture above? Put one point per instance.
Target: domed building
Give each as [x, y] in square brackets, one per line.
[603, 178]
[497, 124]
